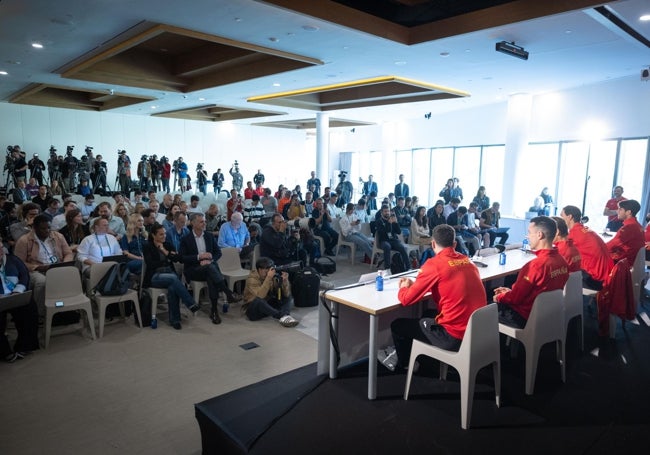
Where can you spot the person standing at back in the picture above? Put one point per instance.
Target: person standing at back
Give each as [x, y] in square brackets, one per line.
[629, 239]
[401, 189]
[611, 209]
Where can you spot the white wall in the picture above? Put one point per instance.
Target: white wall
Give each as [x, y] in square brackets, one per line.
[285, 156]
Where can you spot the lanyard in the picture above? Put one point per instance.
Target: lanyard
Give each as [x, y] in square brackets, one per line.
[101, 250]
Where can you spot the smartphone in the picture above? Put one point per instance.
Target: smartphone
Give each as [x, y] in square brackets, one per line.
[58, 304]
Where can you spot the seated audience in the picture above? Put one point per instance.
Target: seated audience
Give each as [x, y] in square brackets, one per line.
[41, 197]
[38, 250]
[255, 211]
[264, 295]
[547, 272]
[420, 233]
[15, 280]
[387, 237]
[350, 227]
[235, 235]
[159, 257]
[565, 246]
[52, 209]
[168, 222]
[29, 212]
[629, 238]
[178, 230]
[457, 289]
[489, 222]
[59, 220]
[133, 242]
[295, 210]
[75, 230]
[95, 247]
[116, 226]
[322, 228]
[280, 246]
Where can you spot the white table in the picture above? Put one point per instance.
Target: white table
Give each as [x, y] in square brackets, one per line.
[366, 299]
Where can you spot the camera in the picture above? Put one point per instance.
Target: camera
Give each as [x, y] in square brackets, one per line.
[199, 167]
[291, 267]
[69, 149]
[10, 148]
[88, 150]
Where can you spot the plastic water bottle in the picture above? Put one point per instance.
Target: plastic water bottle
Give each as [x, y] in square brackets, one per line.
[154, 322]
[502, 258]
[379, 281]
[525, 245]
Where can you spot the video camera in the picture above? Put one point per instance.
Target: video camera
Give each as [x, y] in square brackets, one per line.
[10, 163]
[88, 150]
[291, 267]
[69, 149]
[199, 167]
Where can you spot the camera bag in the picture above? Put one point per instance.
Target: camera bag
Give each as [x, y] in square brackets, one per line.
[305, 287]
[324, 265]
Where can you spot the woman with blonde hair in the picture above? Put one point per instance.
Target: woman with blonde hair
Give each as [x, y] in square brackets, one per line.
[75, 230]
[122, 211]
[134, 241]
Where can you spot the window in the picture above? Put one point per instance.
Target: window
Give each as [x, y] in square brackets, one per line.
[492, 178]
[467, 166]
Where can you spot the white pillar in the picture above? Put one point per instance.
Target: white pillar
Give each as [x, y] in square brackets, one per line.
[322, 148]
[514, 167]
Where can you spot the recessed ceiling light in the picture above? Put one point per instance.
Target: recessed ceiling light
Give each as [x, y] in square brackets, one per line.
[3, 73]
[645, 17]
[568, 32]
[273, 39]
[276, 84]
[154, 107]
[238, 19]
[400, 63]
[310, 28]
[37, 45]
[201, 99]
[444, 54]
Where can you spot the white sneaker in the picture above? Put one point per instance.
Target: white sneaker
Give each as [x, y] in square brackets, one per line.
[388, 357]
[288, 321]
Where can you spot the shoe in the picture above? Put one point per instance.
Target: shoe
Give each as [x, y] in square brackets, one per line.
[288, 321]
[366, 259]
[177, 325]
[11, 358]
[215, 318]
[194, 308]
[388, 357]
[330, 253]
[500, 248]
[234, 298]
[225, 307]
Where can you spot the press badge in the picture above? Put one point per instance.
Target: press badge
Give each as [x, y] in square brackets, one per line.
[10, 285]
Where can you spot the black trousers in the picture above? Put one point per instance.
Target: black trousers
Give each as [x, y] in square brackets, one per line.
[211, 274]
[26, 321]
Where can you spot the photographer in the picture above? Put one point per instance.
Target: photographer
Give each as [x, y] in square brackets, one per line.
[54, 166]
[70, 165]
[124, 172]
[156, 172]
[36, 168]
[217, 181]
[279, 245]
[19, 164]
[90, 166]
[237, 178]
[268, 293]
[144, 173]
[99, 183]
[165, 173]
[201, 179]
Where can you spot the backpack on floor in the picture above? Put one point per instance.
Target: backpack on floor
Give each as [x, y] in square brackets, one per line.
[397, 264]
[305, 287]
[324, 265]
[115, 282]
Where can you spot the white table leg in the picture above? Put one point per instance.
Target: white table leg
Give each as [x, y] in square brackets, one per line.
[372, 358]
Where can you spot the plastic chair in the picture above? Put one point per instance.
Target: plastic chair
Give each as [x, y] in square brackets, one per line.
[545, 324]
[573, 305]
[255, 256]
[638, 277]
[351, 245]
[480, 348]
[231, 267]
[97, 272]
[155, 293]
[63, 284]
[409, 246]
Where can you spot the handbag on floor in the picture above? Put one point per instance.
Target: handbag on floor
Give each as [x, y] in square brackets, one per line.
[324, 265]
[305, 287]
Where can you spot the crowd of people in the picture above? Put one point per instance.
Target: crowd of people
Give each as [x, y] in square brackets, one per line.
[39, 230]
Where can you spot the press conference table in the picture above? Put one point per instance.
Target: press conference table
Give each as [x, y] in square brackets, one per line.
[366, 299]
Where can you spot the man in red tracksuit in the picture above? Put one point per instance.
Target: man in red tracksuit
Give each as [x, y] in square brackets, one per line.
[455, 286]
[629, 238]
[596, 260]
[565, 246]
[547, 272]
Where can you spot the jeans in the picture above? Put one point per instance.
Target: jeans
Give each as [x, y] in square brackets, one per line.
[135, 266]
[394, 244]
[260, 308]
[165, 185]
[360, 241]
[175, 290]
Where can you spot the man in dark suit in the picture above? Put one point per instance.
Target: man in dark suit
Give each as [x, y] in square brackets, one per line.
[401, 189]
[200, 253]
[20, 194]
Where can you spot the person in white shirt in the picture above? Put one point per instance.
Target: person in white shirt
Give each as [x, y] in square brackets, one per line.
[155, 206]
[350, 227]
[194, 205]
[115, 224]
[87, 208]
[332, 209]
[361, 212]
[59, 221]
[98, 245]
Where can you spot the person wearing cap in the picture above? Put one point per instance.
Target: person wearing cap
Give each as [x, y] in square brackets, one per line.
[36, 168]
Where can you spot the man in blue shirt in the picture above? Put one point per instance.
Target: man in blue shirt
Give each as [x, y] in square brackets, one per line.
[178, 230]
[182, 174]
[235, 235]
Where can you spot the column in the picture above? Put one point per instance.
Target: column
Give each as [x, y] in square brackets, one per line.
[322, 148]
[514, 167]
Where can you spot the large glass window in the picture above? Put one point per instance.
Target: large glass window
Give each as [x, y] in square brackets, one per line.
[442, 167]
[492, 172]
[540, 164]
[631, 167]
[421, 170]
[467, 166]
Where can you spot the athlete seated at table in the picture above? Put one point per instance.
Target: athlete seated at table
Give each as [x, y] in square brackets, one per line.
[455, 286]
[547, 272]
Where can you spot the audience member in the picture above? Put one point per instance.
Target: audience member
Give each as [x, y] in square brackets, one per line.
[547, 272]
[95, 247]
[629, 238]
[75, 230]
[278, 244]
[387, 235]
[489, 222]
[350, 227]
[565, 246]
[29, 212]
[611, 209]
[401, 189]
[322, 228]
[178, 230]
[235, 235]
[133, 242]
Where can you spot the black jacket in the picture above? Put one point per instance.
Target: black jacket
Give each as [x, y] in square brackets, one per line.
[155, 260]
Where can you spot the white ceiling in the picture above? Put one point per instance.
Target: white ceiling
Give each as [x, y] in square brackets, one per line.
[567, 50]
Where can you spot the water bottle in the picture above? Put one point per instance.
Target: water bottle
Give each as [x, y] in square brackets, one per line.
[524, 245]
[154, 322]
[502, 258]
[379, 281]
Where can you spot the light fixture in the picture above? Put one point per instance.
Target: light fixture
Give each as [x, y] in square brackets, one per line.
[645, 74]
[427, 115]
[511, 49]
[201, 99]
[37, 45]
[276, 84]
[645, 17]
[3, 73]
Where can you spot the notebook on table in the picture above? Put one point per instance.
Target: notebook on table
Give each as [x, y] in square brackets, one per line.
[11, 301]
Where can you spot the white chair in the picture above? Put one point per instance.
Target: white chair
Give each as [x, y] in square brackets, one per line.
[155, 293]
[545, 325]
[638, 276]
[321, 241]
[409, 247]
[480, 347]
[97, 272]
[231, 268]
[255, 256]
[63, 284]
[573, 305]
[350, 245]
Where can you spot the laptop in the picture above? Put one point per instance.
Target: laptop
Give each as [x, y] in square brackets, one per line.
[11, 301]
[116, 258]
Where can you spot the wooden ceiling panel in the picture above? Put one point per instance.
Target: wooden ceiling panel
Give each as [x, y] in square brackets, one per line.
[216, 113]
[162, 57]
[310, 123]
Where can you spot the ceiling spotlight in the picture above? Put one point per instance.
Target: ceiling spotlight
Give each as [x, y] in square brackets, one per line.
[111, 91]
[3, 73]
[645, 74]
[511, 49]
[427, 115]
[37, 45]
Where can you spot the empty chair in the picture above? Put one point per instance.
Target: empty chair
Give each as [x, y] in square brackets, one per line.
[480, 348]
[231, 268]
[63, 293]
[350, 245]
[409, 246]
[545, 324]
[97, 272]
[573, 305]
[638, 277]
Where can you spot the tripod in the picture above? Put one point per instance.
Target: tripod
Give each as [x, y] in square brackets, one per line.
[10, 181]
[101, 178]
